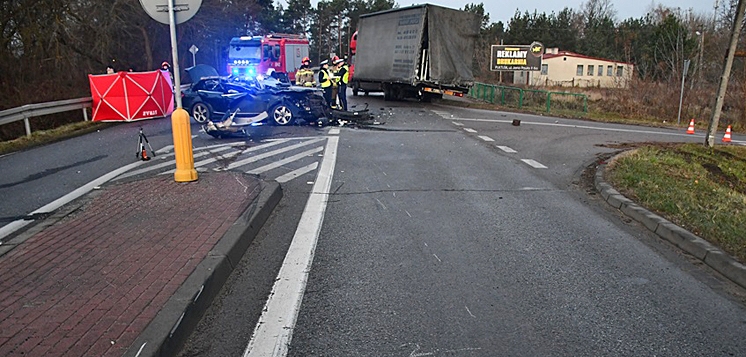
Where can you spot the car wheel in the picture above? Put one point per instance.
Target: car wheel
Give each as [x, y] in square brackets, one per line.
[281, 115]
[201, 112]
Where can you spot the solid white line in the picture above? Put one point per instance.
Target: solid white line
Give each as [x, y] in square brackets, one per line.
[457, 123]
[273, 332]
[470, 130]
[249, 160]
[295, 173]
[534, 163]
[80, 191]
[284, 161]
[507, 149]
[486, 138]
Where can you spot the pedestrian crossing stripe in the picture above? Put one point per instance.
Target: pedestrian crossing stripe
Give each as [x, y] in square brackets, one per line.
[284, 161]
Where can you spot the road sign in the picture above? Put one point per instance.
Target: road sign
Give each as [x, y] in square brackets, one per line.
[183, 9]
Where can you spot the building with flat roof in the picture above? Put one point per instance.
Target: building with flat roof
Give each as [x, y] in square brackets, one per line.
[568, 69]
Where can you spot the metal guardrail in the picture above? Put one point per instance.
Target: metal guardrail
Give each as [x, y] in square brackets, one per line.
[28, 111]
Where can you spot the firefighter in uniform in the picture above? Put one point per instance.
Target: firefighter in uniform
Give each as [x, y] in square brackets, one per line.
[343, 75]
[304, 75]
[325, 81]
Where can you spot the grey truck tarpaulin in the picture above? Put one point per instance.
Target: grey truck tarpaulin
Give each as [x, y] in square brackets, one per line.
[391, 45]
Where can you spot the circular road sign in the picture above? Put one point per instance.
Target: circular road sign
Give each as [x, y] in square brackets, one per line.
[183, 9]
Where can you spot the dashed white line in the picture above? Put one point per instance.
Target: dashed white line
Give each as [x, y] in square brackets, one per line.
[334, 131]
[534, 163]
[470, 130]
[507, 149]
[457, 123]
[486, 138]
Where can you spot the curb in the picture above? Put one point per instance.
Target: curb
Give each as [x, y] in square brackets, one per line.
[703, 250]
[173, 325]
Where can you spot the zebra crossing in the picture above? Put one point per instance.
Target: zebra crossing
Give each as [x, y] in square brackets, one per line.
[282, 159]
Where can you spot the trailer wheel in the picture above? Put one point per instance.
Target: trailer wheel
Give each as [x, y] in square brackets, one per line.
[387, 93]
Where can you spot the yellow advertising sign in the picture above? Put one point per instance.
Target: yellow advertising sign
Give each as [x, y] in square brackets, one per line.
[516, 58]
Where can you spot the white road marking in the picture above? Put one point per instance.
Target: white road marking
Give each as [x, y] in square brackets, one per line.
[436, 257]
[457, 123]
[470, 130]
[534, 163]
[295, 173]
[249, 160]
[165, 164]
[80, 191]
[486, 138]
[334, 131]
[273, 332]
[284, 161]
[507, 149]
[523, 122]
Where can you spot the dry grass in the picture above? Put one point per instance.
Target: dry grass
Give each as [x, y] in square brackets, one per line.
[701, 189]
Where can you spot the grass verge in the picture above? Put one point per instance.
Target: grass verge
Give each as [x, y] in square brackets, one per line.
[700, 189]
[42, 137]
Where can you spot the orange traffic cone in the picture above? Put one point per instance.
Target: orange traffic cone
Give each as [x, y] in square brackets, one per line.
[691, 127]
[145, 155]
[726, 138]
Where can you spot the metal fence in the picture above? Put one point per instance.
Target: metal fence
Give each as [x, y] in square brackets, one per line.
[533, 99]
[35, 110]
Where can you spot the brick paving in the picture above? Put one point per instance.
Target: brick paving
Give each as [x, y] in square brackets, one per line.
[89, 284]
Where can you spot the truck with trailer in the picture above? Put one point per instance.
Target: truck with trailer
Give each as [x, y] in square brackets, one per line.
[421, 51]
[249, 56]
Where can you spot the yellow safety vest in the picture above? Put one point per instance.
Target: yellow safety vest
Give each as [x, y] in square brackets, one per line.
[346, 75]
[325, 78]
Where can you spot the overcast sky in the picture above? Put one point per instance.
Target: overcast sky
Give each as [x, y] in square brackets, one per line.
[502, 10]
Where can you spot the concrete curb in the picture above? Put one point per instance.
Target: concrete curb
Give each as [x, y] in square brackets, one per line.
[173, 325]
[685, 240]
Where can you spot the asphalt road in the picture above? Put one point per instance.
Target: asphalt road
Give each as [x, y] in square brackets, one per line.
[442, 241]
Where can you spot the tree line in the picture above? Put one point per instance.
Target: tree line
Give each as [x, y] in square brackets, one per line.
[50, 46]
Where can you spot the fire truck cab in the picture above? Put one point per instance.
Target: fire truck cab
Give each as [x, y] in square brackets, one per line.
[250, 56]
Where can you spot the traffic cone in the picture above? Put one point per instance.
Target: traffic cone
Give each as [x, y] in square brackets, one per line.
[691, 127]
[726, 138]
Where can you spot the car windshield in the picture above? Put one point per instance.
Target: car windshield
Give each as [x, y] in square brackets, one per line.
[247, 52]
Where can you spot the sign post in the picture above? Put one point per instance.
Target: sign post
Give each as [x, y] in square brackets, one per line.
[165, 11]
[193, 51]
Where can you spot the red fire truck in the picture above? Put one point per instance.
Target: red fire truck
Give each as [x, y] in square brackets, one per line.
[249, 56]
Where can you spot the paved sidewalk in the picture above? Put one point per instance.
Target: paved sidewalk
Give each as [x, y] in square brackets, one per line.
[129, 268]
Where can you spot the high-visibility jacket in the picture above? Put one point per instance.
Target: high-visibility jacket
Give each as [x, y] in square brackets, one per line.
[304, 77]
[344, 74]
[325, 78]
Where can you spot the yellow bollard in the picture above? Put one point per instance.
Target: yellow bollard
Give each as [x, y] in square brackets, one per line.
[185, 171]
